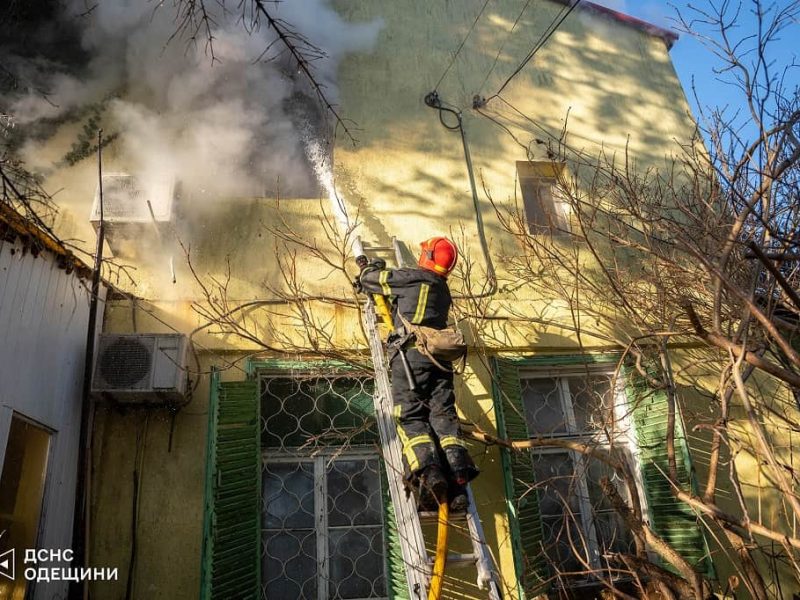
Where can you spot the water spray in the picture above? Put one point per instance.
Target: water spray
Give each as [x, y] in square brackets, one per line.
[320, 162]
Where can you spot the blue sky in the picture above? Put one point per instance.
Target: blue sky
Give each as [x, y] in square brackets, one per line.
[689, 56]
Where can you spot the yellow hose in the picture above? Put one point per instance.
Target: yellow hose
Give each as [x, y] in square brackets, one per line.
[383, 311]
[382, 308]
[437, 577]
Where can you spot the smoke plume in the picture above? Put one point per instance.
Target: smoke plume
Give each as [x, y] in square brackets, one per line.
[225, 120]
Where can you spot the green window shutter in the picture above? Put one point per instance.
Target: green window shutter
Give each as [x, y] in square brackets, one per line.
[396, 582]
[523, 500]
[672, 519]
[231, 566]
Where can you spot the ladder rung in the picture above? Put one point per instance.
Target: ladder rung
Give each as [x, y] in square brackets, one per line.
[378, 248]
[430, 516]
[459, 559]
[413, 544]
[455, 558]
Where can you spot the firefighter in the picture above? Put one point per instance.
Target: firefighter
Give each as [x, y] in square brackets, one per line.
[434, 450]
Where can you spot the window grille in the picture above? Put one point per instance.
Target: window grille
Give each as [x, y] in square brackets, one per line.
[311, 411]
[323, 512]
[579, 524]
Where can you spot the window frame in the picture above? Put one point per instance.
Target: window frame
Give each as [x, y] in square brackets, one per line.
[280, 369]
[321, 461]
[543, 174]
[647, 407]
[8, 418]
[321, 457]
[623, 434]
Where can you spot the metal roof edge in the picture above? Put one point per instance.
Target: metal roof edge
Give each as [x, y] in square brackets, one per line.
[669, 37]
[13, 224]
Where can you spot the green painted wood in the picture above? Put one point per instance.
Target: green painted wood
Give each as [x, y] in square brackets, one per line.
[671, 519]
[396, 582]
[565, 360]
[286, 366]
[231, 565]
[522, 499]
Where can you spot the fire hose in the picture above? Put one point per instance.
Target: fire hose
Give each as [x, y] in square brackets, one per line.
[440, 558]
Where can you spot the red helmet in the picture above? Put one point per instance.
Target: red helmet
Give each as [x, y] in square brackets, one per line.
[438, 255]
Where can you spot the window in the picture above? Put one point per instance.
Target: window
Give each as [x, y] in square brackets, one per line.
[544, 210]
[21, 492]
[559, 517]
[579, 525]
[323, 502]
[323, 528]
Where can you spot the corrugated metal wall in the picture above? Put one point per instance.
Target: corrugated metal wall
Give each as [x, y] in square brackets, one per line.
[43, 320]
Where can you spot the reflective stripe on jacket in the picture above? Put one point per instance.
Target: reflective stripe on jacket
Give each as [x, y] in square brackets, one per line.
[421, 296]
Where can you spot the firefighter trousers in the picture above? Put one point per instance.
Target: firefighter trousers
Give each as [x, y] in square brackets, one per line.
[426, 419]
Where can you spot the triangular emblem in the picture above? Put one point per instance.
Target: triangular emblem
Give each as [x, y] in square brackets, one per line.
[7, 564]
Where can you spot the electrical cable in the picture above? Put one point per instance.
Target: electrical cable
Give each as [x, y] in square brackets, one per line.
[141, 446]
[556, 138]
[503, 45]
[432, 100]
[82, 510]
[549, 31]
[578, 154]
[460, 46]
[503, 127]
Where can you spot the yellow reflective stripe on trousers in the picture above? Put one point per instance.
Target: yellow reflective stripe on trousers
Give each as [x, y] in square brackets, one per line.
[411, 458]
[397, 410]
[408, 448]
[422, 302]
[451, 440]
[409, 443]
[387, 291]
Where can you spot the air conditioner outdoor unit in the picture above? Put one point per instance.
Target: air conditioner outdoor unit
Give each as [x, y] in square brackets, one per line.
[134, 211]
[141, 368]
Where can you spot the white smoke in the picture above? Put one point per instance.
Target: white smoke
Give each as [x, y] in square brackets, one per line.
[223, 127]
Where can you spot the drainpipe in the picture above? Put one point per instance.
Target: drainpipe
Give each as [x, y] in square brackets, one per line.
[432, 99]
[80, 530]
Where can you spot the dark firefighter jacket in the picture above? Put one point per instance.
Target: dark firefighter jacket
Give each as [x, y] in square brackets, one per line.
[421, 296]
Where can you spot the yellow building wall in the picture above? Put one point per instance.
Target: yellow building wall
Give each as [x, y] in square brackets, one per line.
[405, 177]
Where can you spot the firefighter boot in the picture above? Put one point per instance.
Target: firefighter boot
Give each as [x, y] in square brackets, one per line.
[458, 492]
[432, 488]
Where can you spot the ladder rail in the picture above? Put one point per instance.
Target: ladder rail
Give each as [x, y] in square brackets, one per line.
[483, 560]
[412, 545]
[415, 556]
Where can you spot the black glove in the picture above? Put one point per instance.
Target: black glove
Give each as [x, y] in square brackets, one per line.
[376, 264]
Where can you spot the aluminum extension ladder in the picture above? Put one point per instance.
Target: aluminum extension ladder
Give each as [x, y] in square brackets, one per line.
[412, 543]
